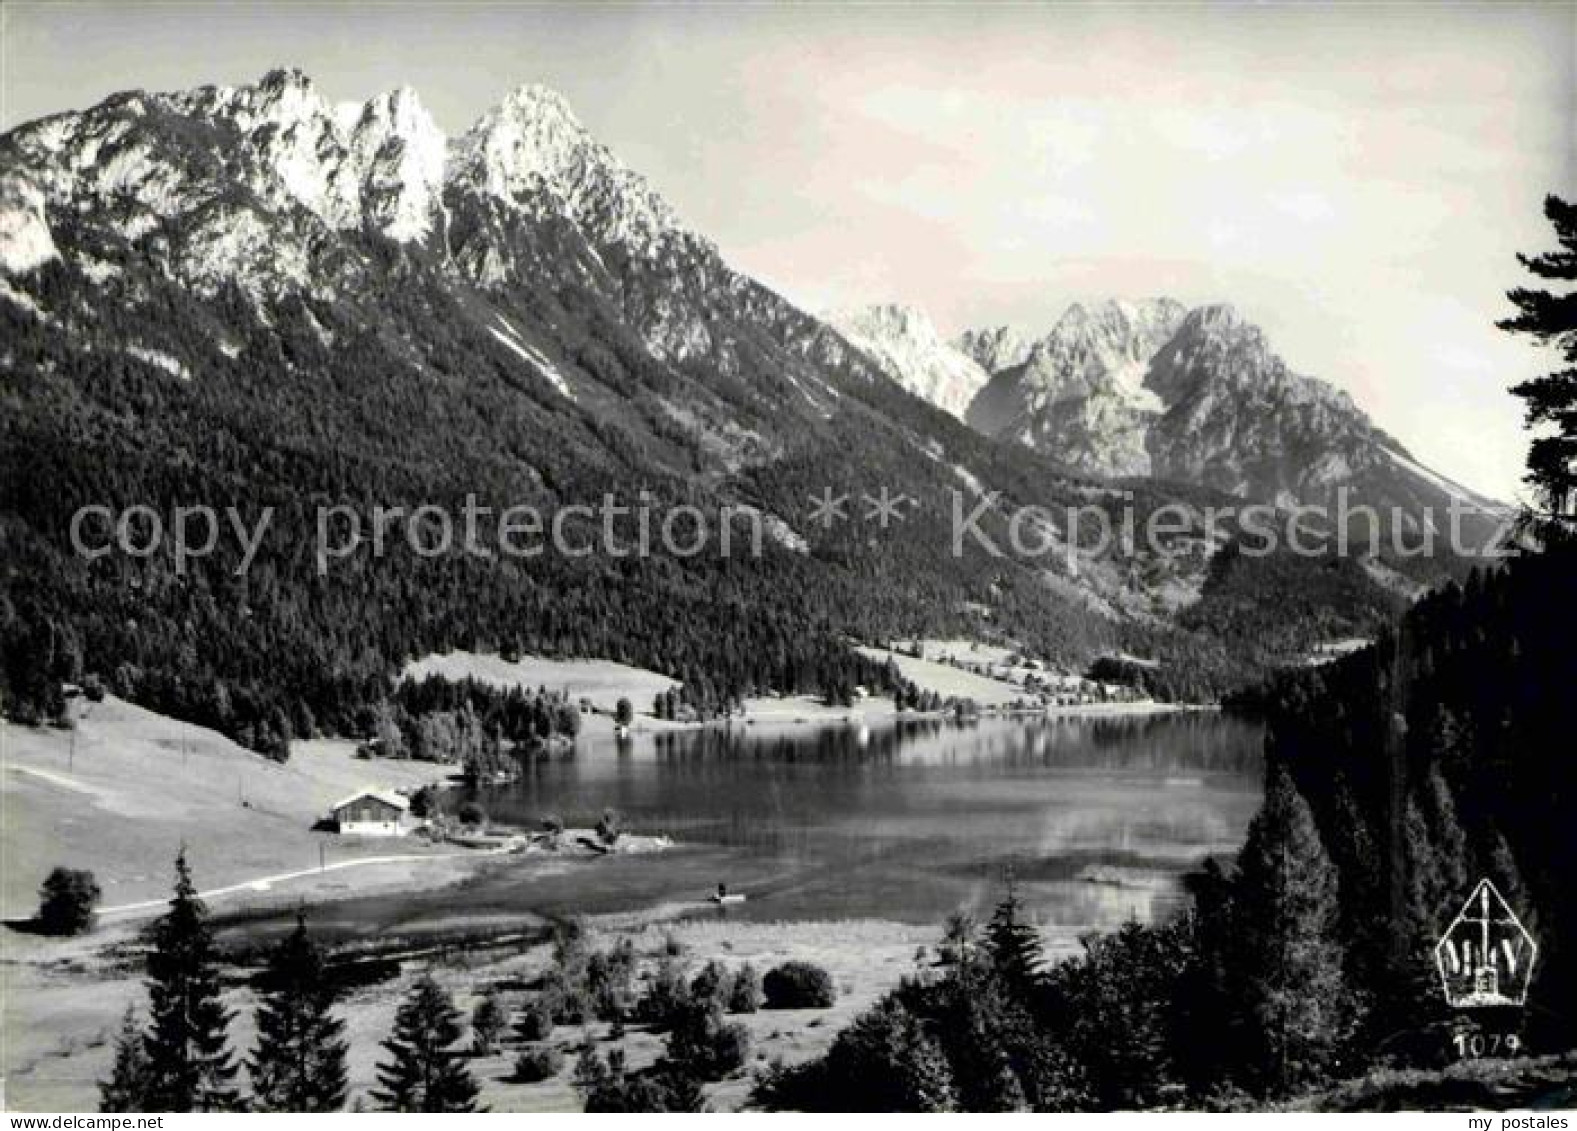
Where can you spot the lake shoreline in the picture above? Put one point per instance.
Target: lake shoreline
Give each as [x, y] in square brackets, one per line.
[851, 844]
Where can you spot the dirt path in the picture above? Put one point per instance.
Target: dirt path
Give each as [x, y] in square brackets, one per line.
[264, 883]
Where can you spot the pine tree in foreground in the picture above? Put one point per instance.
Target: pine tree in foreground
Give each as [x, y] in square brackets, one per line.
[1013, 942]
[1551, 400]
[1296, 1004]
[126, 1090]
[425, 1071]
[299, 1062]
[190, 1066]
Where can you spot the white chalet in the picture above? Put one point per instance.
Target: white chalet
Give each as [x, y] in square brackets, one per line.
[371, 812]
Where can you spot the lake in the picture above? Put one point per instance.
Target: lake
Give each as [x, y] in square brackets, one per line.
[1096, 819]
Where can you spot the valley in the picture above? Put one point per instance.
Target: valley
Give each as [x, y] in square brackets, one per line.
[1079, 787]
[297, 307]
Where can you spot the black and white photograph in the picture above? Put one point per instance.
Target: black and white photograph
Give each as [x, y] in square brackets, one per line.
[788, 557]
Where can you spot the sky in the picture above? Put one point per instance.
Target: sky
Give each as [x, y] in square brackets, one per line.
[1355, 178]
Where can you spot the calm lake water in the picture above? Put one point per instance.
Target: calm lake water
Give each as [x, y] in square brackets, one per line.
[1097, 819]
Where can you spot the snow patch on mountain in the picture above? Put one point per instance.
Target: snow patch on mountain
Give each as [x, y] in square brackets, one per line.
[25, 240]
[772, 526]
[1452, 490]
[969, 479]
[511, 338]
[24, 301]
[161, 360]
[240, 244]
[98, 270]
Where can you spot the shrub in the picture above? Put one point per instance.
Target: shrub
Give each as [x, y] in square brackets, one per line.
[487, 1022]
[609, 978]
[424, 802]
[471, 814]
[730, 1048]
[609, 826]
[666, 994]
[744, 996]
[792, 1087]
[536, 1022]
[565, 997]
[570, 945]
[713, 984]
[606, 1086]
[885, 1061]
[798, 985]
[534, 1065]
[703, 1045]
[66, 901]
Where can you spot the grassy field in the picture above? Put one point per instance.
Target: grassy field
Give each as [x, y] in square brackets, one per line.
[959, 650]
[950, 681]
[865, 958]
[601, 681]
[60, 1018]
[128, 787]
[123, 791]
[604, 683]
[942, 669]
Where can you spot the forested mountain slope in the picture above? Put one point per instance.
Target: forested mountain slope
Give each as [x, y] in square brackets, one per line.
[245, 297]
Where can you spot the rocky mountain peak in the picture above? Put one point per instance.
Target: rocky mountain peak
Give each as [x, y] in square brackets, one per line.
[282, 79]
[904, 343]
[531, 149]
[540, 103]
[400, 153]
[1105, 347]
[285, 97]
[1218, 351]
[1215, 318]
[892, 319]
[1129, 327]
[993, 348]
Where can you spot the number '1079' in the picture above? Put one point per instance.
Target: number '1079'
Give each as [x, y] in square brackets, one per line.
[1486, 1044]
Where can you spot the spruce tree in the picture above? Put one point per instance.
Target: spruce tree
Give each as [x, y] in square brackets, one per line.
[299, 1063]
[1013, 941]
[885, 1061]
[126, 1090]
[425, 1071]
[1551, 400]
[488, 1020]
[190, 1065]
[1296, 1008]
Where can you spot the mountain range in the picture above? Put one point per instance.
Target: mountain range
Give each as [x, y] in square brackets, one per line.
[1151, 388]
[250, 296]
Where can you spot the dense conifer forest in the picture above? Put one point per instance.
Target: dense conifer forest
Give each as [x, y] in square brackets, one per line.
[290, 646]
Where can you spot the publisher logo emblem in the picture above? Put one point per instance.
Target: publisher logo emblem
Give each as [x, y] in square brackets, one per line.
[1486, 956]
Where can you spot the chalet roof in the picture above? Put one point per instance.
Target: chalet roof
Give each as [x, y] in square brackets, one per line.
[383, 795]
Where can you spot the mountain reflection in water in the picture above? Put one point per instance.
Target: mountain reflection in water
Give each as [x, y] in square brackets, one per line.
[1095, 817]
